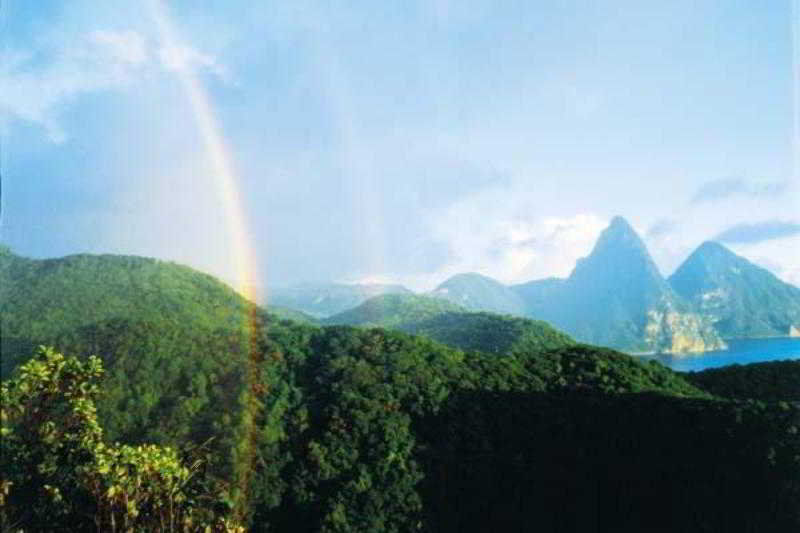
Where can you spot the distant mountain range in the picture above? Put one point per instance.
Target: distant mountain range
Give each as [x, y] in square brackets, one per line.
[453, 325]
[614, 297]
[325, 299]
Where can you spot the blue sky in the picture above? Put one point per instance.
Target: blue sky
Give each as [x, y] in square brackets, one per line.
[404, 140]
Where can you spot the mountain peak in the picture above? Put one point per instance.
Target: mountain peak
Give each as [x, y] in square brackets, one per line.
[467, 277]
[744, 299]
[707, 257]
[713, 247]
[619, 241]
[479, 293]
[619, 222]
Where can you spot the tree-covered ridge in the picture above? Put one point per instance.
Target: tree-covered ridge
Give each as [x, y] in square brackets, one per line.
[393, 311]
[743, 299]
[396, 432]
[175, 343]
[377, 430]
[40, 298]
[356, 440]
[489, 333]
[773, 381]
[450, 324]
[285, 313]
[513, 461]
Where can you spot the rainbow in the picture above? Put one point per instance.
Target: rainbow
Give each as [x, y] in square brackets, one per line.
[795, 16]
[247, 272]
[222, 169]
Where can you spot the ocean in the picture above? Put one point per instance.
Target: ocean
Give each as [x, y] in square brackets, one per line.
[741, 351]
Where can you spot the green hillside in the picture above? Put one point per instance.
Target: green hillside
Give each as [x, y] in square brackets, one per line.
[175, 342]
[291, 314]
[41, 298]
[450, 324]
[490, 333]
[392, 311]
[772, 381]
[368, 429]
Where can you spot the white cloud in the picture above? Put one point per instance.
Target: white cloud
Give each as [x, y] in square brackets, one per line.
[123, 47]
[180, 57]
[490, 234]
[781, 257]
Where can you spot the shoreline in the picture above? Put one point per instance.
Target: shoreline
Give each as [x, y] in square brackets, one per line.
[689, 355]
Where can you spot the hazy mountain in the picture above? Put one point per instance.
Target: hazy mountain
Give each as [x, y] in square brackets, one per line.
[617, 297]
[480, 293]
[743, 299]
[291, 314]
[325, 299]
[537, 295]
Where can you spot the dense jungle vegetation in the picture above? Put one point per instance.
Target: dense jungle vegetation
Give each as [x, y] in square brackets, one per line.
[358, 429]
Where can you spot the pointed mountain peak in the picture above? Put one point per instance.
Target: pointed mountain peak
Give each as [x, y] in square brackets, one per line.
[713, 248]
[620, 236]
[619, 223]
[618, 258]
[711, 255]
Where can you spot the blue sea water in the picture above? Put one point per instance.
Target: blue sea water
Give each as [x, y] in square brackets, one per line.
[742, 352]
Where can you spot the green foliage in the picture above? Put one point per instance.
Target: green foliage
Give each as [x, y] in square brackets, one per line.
[490, 333]
[40, 299]
[449, 324]
[608, 462]
[285, 313]
[58, 472]
[396, 311]
[355, 429]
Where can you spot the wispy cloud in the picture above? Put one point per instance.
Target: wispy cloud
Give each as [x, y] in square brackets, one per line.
[35, 89]
[713, 191]
[661, 228]
[758, 232]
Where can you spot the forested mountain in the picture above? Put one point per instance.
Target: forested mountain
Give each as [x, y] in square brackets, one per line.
[393, 311]
[362, 429]
[742, 299]
[174, 341]
[321, 300]
[480, 293]
[616, 297]
[291, 314]
[452, 325]
[772, 380]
